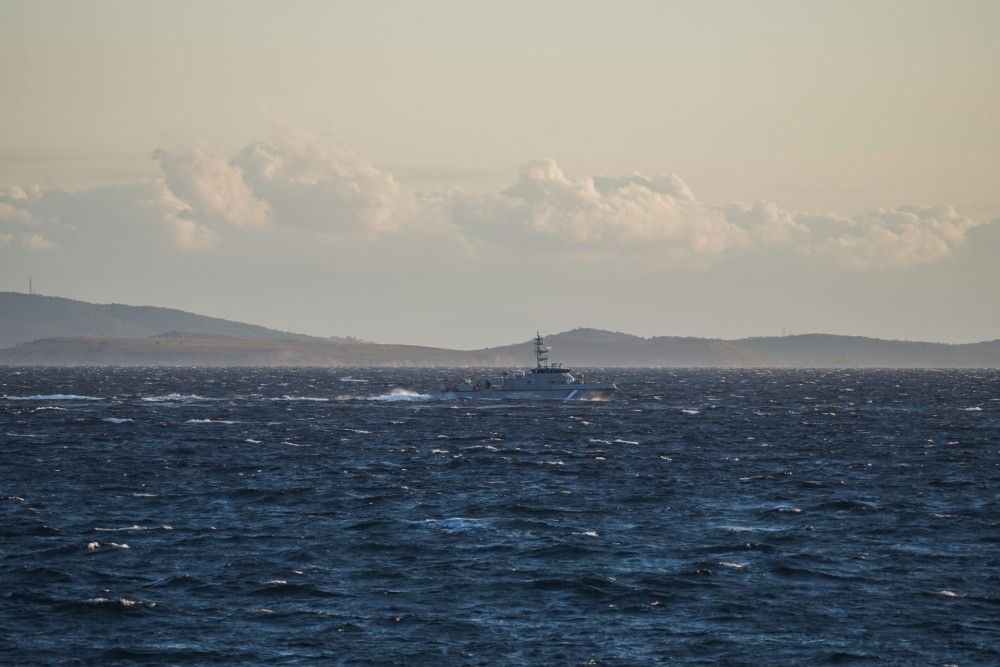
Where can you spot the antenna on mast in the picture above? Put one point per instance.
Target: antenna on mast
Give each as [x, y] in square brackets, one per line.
[541, 351]
[31, 288]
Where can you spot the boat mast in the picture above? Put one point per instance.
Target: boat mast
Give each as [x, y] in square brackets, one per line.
[541, 351]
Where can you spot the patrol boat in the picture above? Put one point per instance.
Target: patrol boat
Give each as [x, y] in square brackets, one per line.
[543, 382]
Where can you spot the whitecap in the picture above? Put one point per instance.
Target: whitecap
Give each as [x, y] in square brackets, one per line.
[174, 397]
[350, 379]
[625, 442]
[124, 602]
[252, 441]
[314, 399]
[974, 408]
[94, 546]
[588, 533]
[53, 397]
[689, 411]
[735, 566]
[458, 523]
[210, 421]
[116, 420]
[401, 395]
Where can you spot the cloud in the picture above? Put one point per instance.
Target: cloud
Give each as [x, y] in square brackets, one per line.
[137, 219]
[661, 217]
[192, 236]
[303, 188]
[36, 242]
[14, 217]
[611, 213]
[890, 238]
[298, 182]
[311, 183]
[212, 188]
[12, 193]
[11, 213]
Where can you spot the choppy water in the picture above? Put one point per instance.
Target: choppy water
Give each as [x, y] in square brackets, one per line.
[301, 516]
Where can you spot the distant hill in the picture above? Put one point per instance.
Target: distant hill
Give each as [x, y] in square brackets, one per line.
[828, 351]
[37, 330]
[596, 347]
[185, 349]
[28, 317]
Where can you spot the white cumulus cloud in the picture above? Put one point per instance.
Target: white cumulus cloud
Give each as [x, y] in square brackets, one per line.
[890, 238]
[212, 188]
[307, 189]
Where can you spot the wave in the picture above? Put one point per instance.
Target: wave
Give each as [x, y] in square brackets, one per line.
[123, 604]
[174, 397]
[458, 523]
[53, 397]
[318, 399]
[95, 546]
[401, 395]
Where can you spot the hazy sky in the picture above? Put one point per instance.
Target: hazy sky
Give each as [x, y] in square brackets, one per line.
[462, 173]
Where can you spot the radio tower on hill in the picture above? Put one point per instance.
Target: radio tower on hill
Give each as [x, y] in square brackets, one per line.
[31, 288]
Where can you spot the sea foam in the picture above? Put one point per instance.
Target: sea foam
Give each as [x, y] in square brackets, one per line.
[174, 397]
[53, 397]
[401, 395]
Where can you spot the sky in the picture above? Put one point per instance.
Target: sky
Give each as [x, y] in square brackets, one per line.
[464, 173]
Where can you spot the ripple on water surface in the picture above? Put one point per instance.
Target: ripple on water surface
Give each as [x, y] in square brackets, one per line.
[244, 516]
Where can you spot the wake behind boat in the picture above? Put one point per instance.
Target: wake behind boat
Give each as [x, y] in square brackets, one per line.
[543, 382]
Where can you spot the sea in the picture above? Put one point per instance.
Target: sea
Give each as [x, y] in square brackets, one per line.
[351, 516]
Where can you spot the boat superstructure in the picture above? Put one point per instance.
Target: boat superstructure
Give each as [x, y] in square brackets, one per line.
[544, 381]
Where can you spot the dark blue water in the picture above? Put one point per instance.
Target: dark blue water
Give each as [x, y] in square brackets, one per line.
[739, 516]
